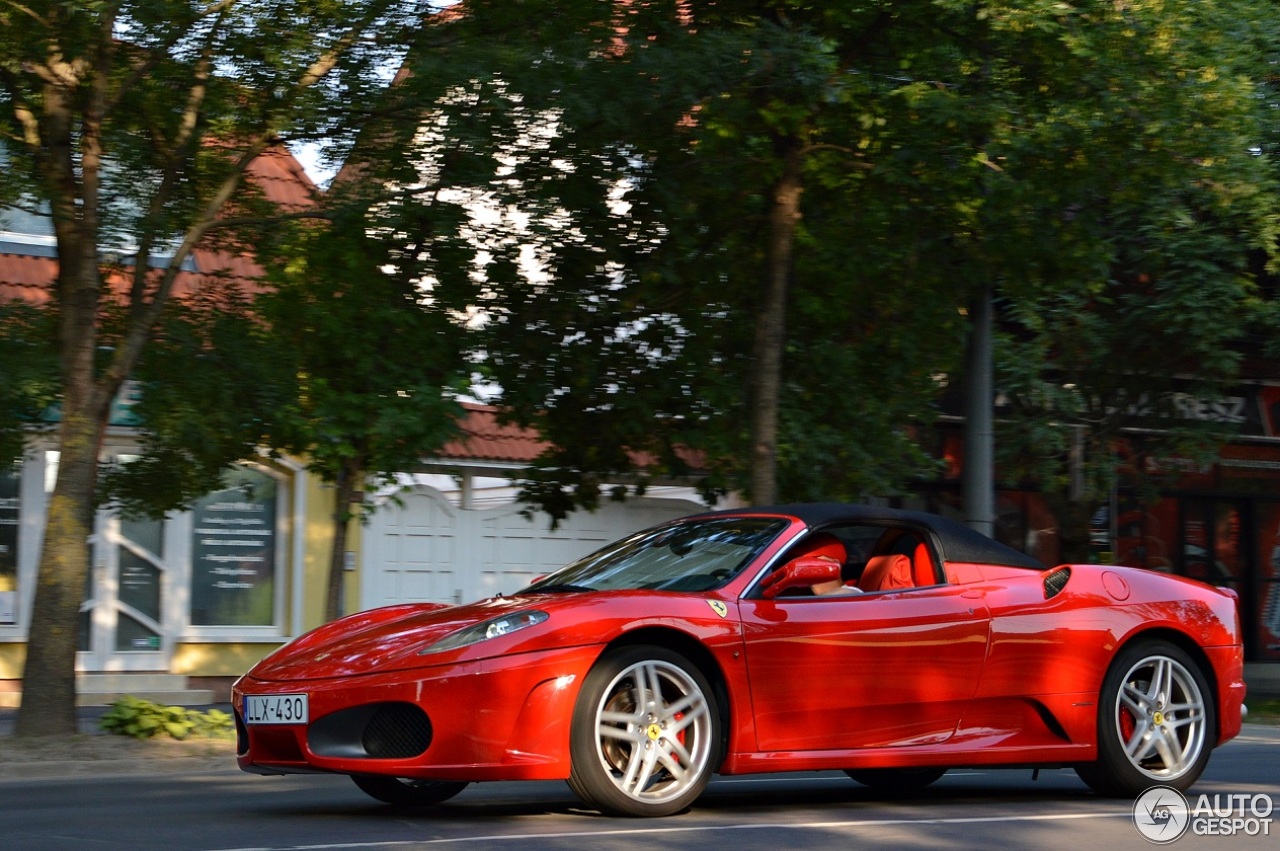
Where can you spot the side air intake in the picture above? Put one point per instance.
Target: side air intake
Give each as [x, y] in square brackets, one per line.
[1055, 582]
[372, 731]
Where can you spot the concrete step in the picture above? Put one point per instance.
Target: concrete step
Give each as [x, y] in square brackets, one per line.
[169, 689]
[105, 689]
[126, 681]
[186, 697]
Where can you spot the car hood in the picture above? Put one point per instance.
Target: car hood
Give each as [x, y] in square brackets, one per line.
[378, 640]
[395, 638]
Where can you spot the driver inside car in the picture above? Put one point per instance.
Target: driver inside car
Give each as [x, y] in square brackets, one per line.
[827, 546]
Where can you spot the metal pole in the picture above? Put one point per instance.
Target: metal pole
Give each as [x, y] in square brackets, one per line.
[979, 442]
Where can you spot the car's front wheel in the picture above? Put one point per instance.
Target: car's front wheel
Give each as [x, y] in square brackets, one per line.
[1155, 722]
[645, 735]
[406, 791]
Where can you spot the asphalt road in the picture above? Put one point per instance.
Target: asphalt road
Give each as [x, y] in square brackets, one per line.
[215, 807]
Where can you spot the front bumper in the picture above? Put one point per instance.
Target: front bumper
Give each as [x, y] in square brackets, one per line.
[504, 718]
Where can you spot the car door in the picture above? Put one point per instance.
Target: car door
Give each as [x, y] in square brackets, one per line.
[863, 671]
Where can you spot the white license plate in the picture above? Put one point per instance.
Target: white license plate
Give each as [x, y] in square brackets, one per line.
[275, 709]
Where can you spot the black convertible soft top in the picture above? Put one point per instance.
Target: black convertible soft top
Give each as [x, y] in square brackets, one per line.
[956, 541]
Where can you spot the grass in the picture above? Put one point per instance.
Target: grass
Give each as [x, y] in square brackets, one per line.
[1263, 711]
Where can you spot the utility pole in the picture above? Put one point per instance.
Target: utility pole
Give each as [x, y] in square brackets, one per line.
[979, 404]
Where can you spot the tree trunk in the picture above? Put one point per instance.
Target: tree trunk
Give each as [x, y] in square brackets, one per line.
[347, 490]
[770, 336]
[48, 678]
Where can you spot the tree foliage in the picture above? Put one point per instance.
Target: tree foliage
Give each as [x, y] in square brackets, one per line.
[1092, 163]
[206, 392]
[130, 125]
[1164, 198]
[28, 375]
[378, 366]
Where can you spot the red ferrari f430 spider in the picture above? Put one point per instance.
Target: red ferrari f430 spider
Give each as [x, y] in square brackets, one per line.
[890, 645]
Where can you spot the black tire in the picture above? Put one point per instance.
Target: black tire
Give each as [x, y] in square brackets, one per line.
[896, 780]
[1157, 723]
[407, 792]
[645, 736]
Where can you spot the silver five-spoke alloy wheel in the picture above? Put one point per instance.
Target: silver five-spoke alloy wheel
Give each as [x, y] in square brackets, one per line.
[1156, 721]
[1160, 717]
[645, 733]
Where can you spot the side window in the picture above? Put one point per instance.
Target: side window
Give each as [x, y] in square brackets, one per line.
[890, 559]
[871, 558]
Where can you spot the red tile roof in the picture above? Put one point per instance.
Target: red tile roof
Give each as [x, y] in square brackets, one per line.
[485, 439]
[26, 278]
[276, 173]
[283, 180]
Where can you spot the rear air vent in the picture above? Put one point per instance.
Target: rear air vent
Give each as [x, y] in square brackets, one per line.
[1055, 582]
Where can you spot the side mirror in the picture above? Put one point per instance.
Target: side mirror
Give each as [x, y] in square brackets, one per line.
[803, 571]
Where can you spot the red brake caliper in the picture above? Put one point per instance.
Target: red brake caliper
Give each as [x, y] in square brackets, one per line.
[1127, 724]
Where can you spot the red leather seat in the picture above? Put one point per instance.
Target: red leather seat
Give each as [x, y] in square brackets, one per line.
[922, 567]
[887, 573]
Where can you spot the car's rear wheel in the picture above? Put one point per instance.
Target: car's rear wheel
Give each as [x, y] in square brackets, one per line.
[645, 735]
[1155, 722]
[406, 791]
[896, 780]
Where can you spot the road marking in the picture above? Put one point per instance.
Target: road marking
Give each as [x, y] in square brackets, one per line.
[599, 834]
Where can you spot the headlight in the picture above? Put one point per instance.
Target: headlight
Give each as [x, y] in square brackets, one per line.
[483, 631]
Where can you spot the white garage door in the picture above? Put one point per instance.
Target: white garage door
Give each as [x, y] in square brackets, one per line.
[426, 550]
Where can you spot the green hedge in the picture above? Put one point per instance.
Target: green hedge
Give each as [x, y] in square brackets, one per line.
[145, 719]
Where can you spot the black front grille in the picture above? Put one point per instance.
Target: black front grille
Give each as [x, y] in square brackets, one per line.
[372, 731]
[397, 731]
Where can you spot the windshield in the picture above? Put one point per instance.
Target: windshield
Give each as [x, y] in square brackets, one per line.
[695, 556]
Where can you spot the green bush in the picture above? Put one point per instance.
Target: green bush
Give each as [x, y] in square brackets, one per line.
[145, 719]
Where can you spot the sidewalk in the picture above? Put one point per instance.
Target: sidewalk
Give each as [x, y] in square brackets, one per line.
[87, 717]
[94, 752]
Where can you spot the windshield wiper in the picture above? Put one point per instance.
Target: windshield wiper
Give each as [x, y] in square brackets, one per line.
[558, 588]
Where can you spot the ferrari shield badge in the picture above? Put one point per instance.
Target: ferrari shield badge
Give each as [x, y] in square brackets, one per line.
[718, 607]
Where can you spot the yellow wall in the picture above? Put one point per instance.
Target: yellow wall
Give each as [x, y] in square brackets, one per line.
[12, 658]
[217, 660]
[317, 546]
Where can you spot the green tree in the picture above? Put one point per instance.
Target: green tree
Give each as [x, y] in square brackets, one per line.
[379, 366]
[131, 124]
[824, 187]
[28, 374]
[1155, 213]
[207, 391]
[653, 317]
